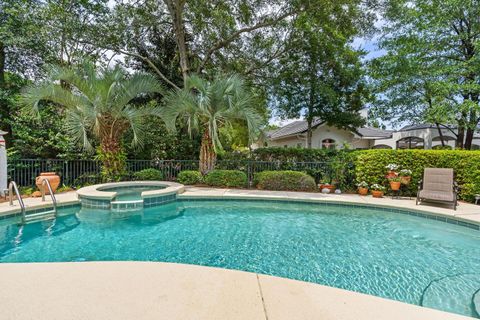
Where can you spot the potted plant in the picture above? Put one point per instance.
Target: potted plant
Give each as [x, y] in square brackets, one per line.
[325, 184]
[395, 183]
[362, 188]
[405, 176]
[392, 170]
[377, 190]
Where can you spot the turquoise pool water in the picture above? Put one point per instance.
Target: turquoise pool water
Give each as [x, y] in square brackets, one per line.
[392, 255]
[131, 192]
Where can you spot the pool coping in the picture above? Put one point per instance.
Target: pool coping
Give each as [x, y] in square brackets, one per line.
[95, 192]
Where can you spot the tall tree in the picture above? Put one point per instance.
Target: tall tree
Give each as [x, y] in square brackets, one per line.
[209, 106]
[322, 75]
[98, 105]
[432, 54]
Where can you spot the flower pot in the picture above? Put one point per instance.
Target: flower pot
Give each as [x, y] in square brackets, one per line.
[53, 178]
[395, 185]
[363, 191]
[377, 194]
[330, 187]
[391, 174]
[405, 180]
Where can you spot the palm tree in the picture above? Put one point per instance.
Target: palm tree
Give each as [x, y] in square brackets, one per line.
[208, 106]
[97, 105]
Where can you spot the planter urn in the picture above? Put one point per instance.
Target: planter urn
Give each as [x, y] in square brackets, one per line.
[395, 185]
[377, 194]
[405, 180]
[363, 191]
[52, 177]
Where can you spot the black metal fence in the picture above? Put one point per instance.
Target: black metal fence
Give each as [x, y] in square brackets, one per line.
[80, 172]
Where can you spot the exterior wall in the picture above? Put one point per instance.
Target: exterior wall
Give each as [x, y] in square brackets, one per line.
[289, 142]
[325, 132]
[319, 134]
[427, 134]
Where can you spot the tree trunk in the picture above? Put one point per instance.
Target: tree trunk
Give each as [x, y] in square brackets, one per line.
[440, 134]
[469, 139]
[460, 137]
[175, 8]
[208, 156]
[309, 132]
[2, 65]
[112, 158]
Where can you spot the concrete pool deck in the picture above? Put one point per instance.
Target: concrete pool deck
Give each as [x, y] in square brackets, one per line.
[154, 290]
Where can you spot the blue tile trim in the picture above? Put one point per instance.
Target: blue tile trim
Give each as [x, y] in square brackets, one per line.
[431, 216]
[156, 201]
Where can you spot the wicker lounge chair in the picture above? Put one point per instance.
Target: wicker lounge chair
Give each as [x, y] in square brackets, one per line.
[438, 185]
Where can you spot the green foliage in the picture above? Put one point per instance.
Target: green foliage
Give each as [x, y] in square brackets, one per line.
[370, 167]
[113, 164]
[293, 154]
[208, 106]
[226, 178]
[430, 70]
[148, 174]
[284, 180]
[189, 177]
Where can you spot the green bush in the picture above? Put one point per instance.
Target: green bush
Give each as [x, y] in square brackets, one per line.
[226, 178]
[189, 177]
[294, 154]
[285, 180]
[370, 167]
[148, 174]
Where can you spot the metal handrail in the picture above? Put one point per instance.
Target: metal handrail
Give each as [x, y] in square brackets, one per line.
[49, 186]
[13, 187]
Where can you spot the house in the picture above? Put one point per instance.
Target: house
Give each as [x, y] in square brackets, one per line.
[417, 136]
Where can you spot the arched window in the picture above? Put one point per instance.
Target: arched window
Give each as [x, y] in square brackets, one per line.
[328, 144]
[410, 143]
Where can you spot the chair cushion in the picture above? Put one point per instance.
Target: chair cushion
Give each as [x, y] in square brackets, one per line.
[438, 179]
[437, 195]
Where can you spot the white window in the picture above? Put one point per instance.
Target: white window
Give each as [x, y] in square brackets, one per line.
[328, 144]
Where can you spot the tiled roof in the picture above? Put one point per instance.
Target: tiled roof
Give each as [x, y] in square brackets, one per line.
[374, 132]
[295, 127]
[300, 126]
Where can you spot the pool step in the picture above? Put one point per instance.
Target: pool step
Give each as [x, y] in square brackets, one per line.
[127, 205]
[39, 216]
[453, 293]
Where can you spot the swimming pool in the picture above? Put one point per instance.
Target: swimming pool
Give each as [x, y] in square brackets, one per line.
[397, 256]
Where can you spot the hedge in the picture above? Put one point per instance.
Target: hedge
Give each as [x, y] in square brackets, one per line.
[189, 177]
[226, 178]
[370, 167]
[285, 180]
[148, 174]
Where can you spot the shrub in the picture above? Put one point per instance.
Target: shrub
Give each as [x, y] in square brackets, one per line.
[226, 178]
[285, 180]
[370, 167]
[189, 177]
[148, 174]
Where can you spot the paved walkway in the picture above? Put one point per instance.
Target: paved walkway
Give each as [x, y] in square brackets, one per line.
[155, 290]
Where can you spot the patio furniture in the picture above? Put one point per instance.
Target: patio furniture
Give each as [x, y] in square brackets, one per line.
[438, 185]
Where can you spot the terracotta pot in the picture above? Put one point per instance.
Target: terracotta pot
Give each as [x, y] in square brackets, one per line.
[395, 185]
[377, 194]
[405, 180]
[363, 191]
[391, 174]
[53, 178]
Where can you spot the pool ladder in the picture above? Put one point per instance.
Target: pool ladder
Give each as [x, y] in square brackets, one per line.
[33, 217]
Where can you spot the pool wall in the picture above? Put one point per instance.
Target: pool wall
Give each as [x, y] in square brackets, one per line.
[100, 196]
